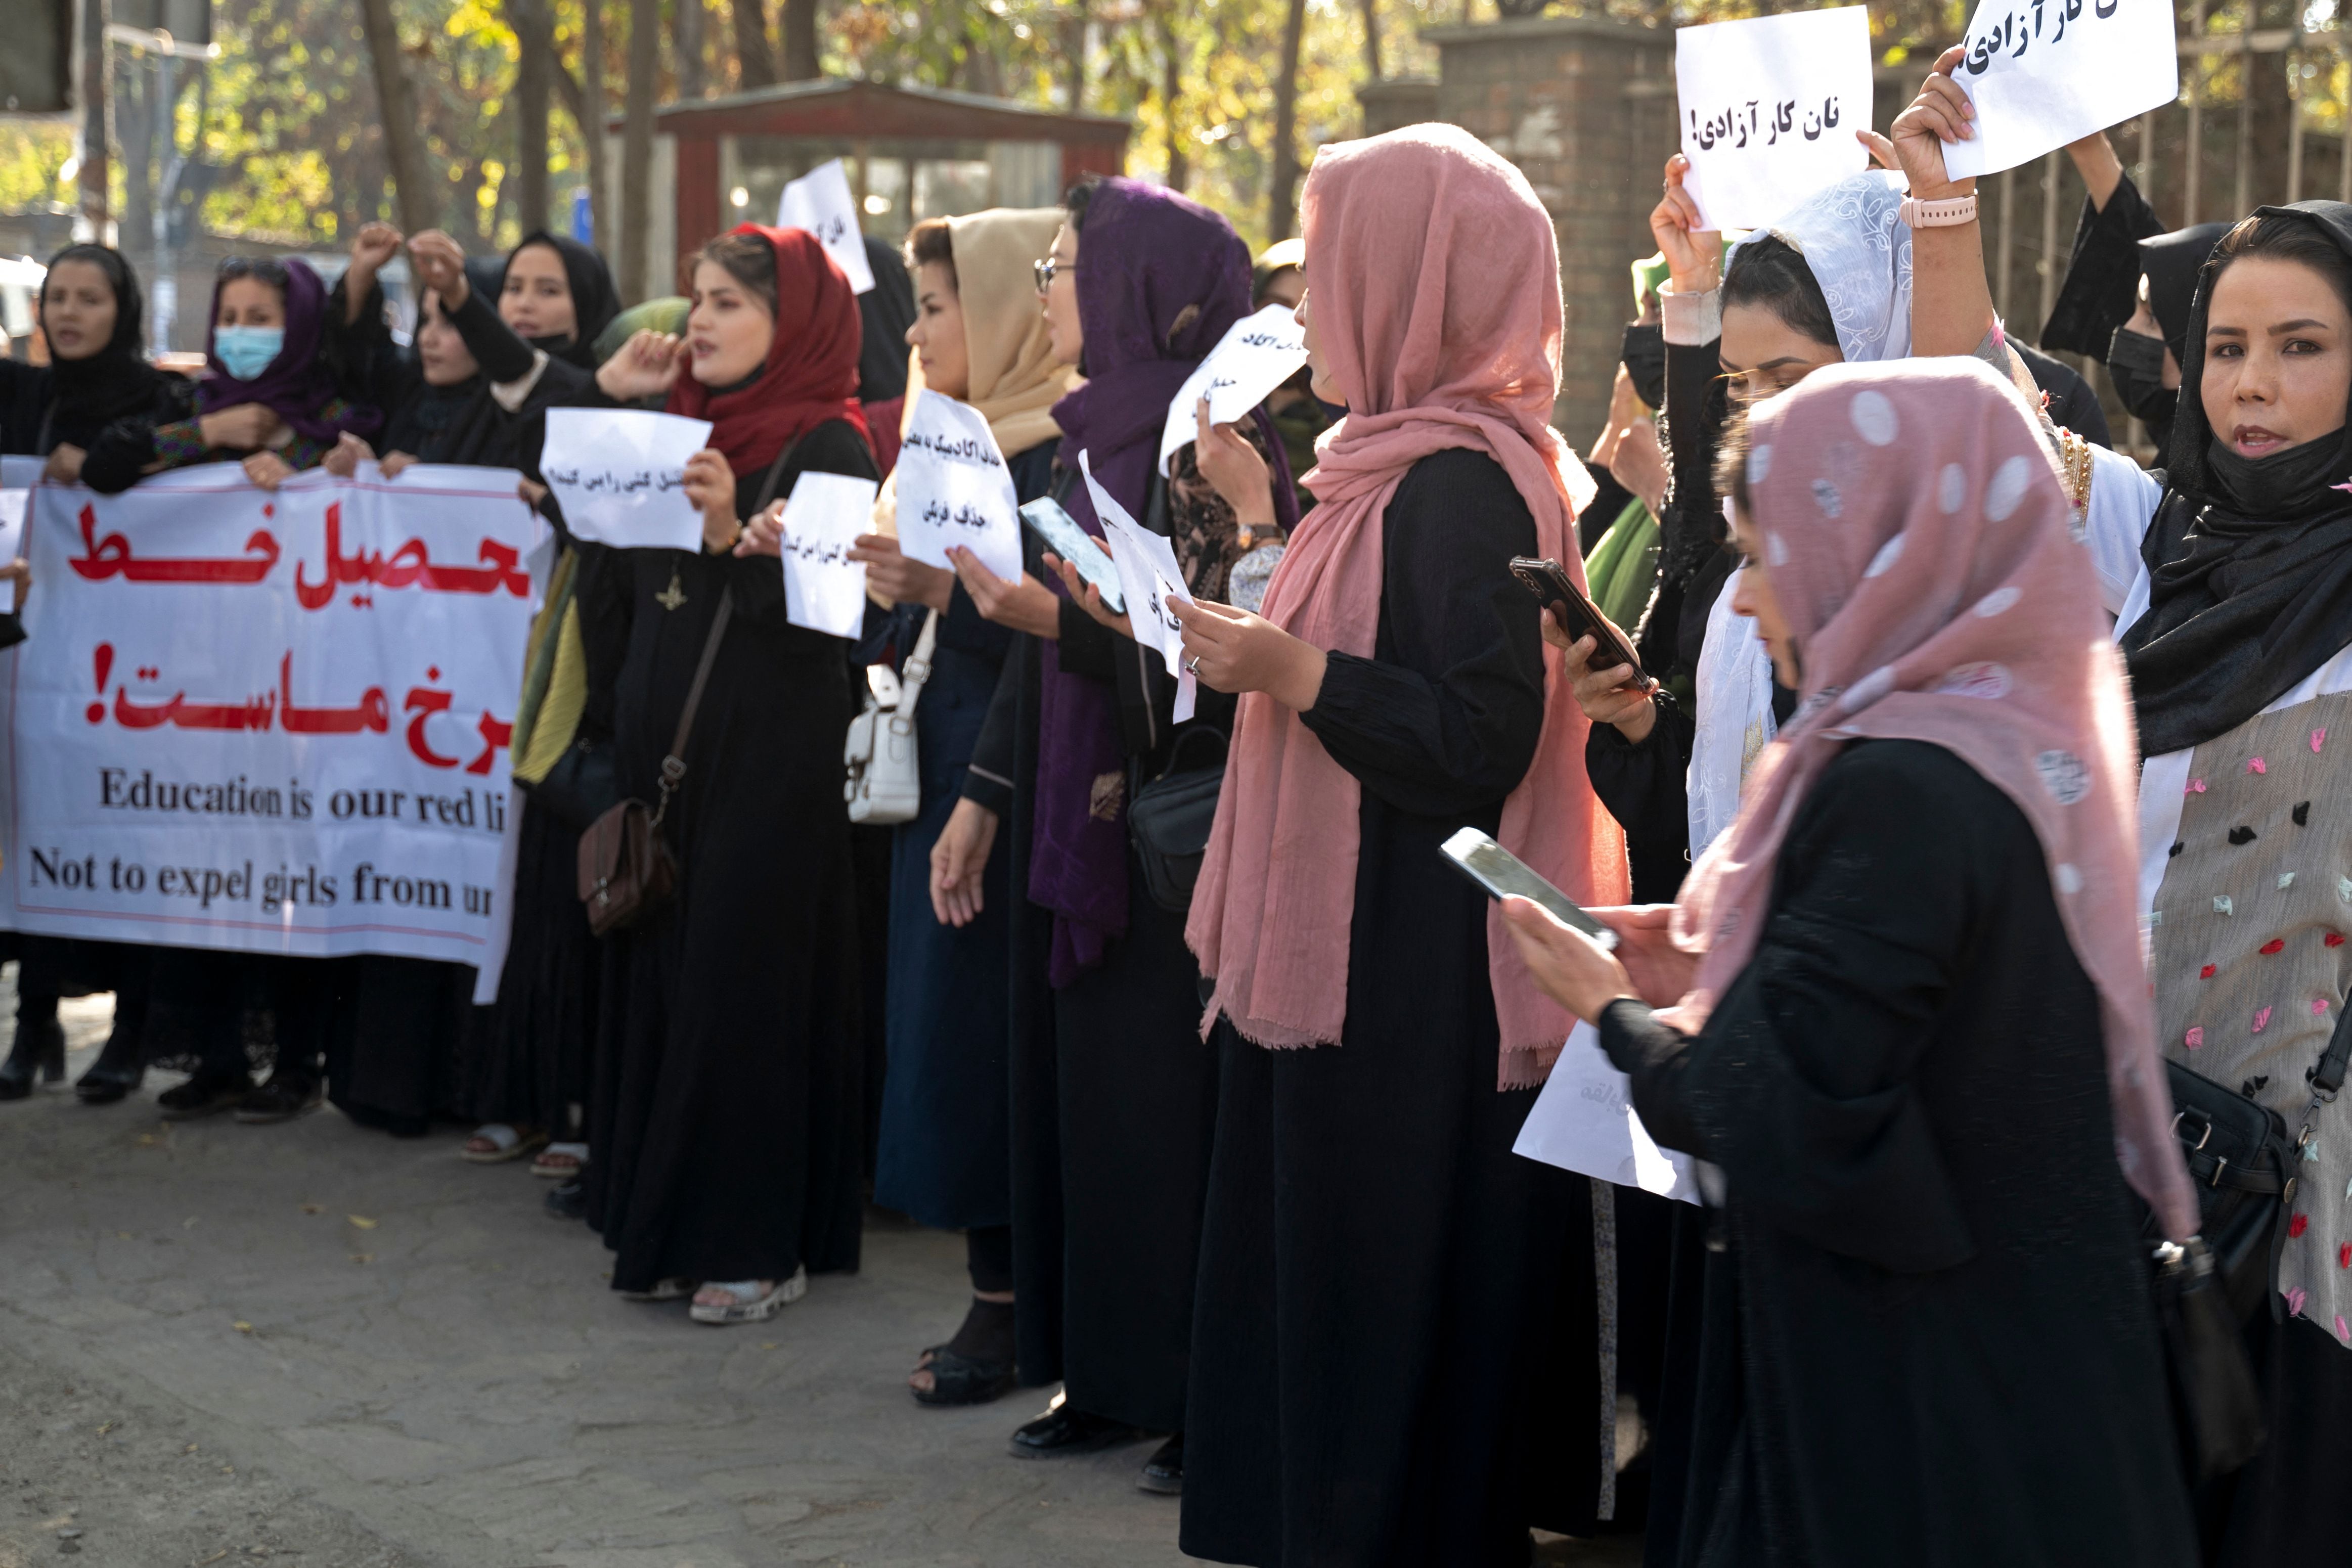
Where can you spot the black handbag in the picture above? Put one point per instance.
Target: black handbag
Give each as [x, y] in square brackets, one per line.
[582, 785]
[2244, 1168]
[1169, 820]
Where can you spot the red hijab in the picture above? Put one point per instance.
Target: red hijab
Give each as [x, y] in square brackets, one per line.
[810, 375]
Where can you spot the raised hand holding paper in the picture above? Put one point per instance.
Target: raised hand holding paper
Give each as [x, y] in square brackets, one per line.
[824, 590]
[1149, 576]
[619, 474]
[1074, 544]
[954, 488]
[1257, 354]
[820, 202]
[2047, 72]
[1769, 107]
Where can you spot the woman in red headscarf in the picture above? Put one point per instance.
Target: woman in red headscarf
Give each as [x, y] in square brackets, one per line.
[726, 1112]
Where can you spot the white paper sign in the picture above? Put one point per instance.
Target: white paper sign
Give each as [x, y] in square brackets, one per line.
[1149, 577]
[1257, 354]
[18, 475]
[268, 722]
[820, 202]
[824, 590]
[2046, 72]
[954, 488]
[619, 474]
[1769, 109]
[1584, 1121]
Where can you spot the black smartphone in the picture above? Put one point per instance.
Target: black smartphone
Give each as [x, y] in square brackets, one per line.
[1550, 582]
[1504, 875]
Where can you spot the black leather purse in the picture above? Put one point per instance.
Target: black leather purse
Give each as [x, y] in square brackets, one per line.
[1169, 819]
[2244, 1168]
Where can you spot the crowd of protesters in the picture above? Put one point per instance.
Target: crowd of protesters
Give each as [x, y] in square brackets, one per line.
[1964, 832]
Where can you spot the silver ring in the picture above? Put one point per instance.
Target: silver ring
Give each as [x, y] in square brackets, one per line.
[1192, 665]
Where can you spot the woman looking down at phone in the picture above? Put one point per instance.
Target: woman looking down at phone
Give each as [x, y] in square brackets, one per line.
[1908, 949]
[1371, 1334]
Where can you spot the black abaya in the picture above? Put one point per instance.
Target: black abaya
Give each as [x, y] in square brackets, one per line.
[1378, 1311]
[1930, 1340]
[727, 1117]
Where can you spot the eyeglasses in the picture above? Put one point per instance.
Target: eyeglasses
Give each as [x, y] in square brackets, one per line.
[1046, 269]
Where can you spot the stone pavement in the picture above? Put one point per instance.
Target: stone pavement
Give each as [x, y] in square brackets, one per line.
[220, 1344]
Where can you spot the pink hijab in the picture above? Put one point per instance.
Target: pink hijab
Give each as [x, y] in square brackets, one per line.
[1435, 288]
[1919, 548]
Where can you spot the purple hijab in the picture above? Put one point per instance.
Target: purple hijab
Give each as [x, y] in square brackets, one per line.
[1145, 257]
[296, 385]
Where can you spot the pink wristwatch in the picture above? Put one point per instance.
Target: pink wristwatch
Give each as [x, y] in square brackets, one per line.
[1946, 214]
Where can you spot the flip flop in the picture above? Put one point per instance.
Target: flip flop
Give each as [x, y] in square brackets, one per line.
[506, 1143]
[748, 1306]
[556, 1161]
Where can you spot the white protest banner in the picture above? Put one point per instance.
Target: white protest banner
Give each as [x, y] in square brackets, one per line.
[821, 203]
[1150, 577]
[268, 722]
[1257, 354]
[1769, 106]
[954, 488]
[2043, 73]
[1584, 1121]
[619, 473]
[824, 590]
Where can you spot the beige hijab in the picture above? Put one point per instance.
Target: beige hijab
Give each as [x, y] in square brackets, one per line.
[1014, 380]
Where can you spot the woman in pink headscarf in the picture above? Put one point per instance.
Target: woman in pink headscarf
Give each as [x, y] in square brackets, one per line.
[1929, 1339]
[1375, 1319]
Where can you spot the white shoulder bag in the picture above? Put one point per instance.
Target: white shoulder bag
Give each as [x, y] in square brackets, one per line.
[885, 785]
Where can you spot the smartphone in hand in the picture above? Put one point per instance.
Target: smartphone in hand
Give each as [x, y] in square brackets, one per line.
[1504, 875]
[1578, 616]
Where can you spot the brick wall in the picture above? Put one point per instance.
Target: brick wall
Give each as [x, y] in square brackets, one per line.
[1586, 109]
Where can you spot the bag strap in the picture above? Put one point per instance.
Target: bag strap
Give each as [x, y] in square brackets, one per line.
[673, 767]
[775, 470]
[917, 672]
[2328, 1076]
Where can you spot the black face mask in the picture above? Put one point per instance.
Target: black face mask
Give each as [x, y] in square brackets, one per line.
[2137, 361]
[2285, 486]
[1644, 357]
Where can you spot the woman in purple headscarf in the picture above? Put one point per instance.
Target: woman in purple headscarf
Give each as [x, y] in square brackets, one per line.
[269, 399]
[1113, 1095]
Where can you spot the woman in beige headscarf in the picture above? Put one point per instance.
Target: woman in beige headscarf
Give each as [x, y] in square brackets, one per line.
[944, 1157]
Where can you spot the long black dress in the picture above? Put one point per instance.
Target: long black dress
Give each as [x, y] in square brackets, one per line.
[1376, 1325]
[1929, 1341]
[728, 1115]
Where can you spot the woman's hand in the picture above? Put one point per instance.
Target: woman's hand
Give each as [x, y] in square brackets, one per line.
[710, 485]
[373, 246]
[1234, 468]
[894, 575]
[1941, 113]
[267, 470]
[64, 466]
[530, 491]
[1568, 966]
[1663, 973]
[1088, 597]
[20, 572]
[241, 427]
[348, 453]
[647, 365]
[764, 535]
[1231, 650]
[959, 856]
[1639, 465]
[441, 266]
[1603, 694]
[1025, 605]
[1694, 254]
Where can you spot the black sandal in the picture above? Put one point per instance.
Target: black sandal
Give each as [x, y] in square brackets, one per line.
[960, 1380]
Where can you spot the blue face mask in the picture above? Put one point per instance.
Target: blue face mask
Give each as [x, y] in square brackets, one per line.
[246, 351]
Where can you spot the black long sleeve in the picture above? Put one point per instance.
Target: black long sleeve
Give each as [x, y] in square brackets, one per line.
[1444, 720]
[2102, 285]
[502, 355]
[119, 457]
[1804, 1086]
[988, 777]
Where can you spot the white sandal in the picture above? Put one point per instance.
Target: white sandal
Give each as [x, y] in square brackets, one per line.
[559, 1161]
[748, 1306]
[506, 1143]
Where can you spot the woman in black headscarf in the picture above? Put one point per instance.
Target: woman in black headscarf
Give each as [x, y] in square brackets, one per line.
[89, 411]
[2145, 354]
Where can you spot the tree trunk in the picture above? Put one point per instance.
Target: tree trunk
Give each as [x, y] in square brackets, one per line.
[800, 41]
[592, 121]
[1171, 93]
[95, 134]
[534, 33]
[1282, 190]
[402, 140]
[686, 50]
[637, 149]
[755, 59]
[1073, 53]
[1372, 37]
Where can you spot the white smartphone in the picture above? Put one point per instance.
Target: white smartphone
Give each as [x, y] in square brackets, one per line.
[1504, 875]
[1074, 544]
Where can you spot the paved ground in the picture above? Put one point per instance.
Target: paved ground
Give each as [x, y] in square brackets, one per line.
[223, 1343]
